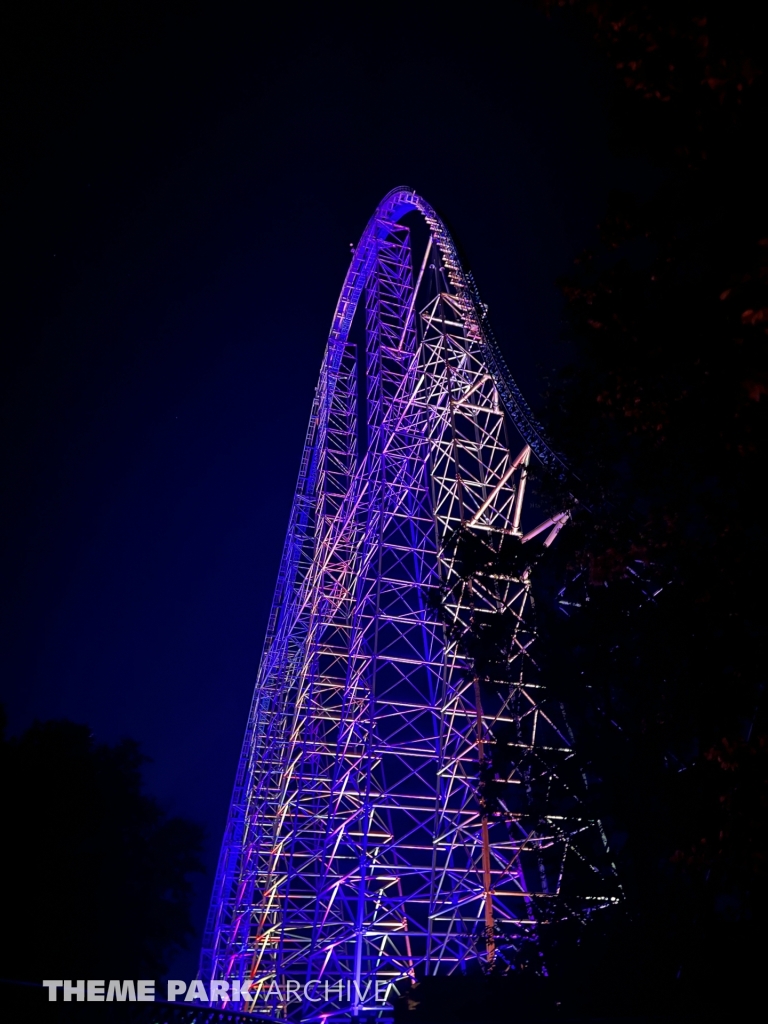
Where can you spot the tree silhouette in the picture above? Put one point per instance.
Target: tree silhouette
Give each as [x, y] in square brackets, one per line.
[95, 875]
[663, 414]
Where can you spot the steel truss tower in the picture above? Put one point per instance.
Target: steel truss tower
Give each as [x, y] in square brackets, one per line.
[396, 811]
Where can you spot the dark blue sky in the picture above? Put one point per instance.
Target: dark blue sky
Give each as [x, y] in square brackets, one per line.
[181, 195]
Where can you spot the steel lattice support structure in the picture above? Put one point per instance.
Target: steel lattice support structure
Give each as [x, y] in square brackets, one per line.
[394, 813]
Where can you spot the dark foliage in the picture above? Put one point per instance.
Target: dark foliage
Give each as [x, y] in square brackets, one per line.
[95, 875]
[663, 415]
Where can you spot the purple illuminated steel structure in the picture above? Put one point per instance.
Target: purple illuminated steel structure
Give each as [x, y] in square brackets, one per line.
[363, 841]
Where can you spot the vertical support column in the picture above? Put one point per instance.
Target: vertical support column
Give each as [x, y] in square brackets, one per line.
[306, 796]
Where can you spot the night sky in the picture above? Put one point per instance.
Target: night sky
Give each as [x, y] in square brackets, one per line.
[183, 186]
